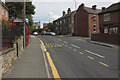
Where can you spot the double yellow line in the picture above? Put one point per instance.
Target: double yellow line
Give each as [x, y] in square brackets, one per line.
[53, 68]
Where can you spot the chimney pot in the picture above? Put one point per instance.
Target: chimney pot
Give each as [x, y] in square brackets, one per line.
[103, 8]
[63, 13]
[69, 10]
[94, 7]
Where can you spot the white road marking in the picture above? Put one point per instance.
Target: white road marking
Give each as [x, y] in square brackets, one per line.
[75, 46]
[65, 42]
[95, 54]
[59, 39]
[82, 40]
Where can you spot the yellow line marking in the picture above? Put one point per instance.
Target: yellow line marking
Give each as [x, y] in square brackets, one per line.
[104, 64]
[54, 70]
[81, 53]
[74, 49]
[70, 47]
[90, 57]
[51, 46]
[43, 45]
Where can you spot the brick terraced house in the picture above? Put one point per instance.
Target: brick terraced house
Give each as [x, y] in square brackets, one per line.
[109, 20]
[5, 14]
[65, 24]
[36, 25]
[86, 21]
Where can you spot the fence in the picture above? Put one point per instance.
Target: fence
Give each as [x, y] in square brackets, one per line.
[9, 37]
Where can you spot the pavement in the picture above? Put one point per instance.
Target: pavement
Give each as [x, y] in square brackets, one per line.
[76, 58]
[30, 64]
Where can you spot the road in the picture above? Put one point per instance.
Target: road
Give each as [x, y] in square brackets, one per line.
[76, 58]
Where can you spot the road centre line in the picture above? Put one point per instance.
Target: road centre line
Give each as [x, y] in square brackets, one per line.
[104, 64]
[75, 46]
[65, 42]
[81, 53]
[94, 54]
[59, 39]
[74, 50]
[90, 57]
[54, 70]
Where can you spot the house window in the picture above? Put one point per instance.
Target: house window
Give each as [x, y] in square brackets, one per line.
[107, 17]
[94, 28]
[94, 19]
[2, 11]
[64, 21]
[6, 14]
[105, 29]
[36, 27]
[113, 30]
[60, 22]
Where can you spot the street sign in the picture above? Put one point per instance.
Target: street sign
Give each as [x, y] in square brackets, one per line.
[27, 20]
[17, 20]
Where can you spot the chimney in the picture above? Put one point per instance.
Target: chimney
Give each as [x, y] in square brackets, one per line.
[63, 13]
[94, 7]
[82, 5]
[69, 10]
[103, 8]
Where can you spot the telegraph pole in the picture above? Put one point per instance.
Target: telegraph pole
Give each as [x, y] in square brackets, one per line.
[24, 6]
[76, 17]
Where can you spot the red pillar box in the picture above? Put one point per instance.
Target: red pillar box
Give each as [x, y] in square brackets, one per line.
[26, 35]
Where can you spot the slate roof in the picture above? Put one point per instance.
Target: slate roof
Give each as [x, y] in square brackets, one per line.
[113, 7]
[90, 10]
[66, 15]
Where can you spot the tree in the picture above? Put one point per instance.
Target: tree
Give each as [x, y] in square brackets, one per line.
[16, 9]
[30, 23]
[50, 26]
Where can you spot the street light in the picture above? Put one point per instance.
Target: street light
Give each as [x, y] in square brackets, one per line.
[75, 4]
[75, 13]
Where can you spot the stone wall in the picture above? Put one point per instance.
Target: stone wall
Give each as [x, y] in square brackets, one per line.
[10, 55]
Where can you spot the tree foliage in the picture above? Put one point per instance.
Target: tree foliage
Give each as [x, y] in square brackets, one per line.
[50, 26]
[16, 9]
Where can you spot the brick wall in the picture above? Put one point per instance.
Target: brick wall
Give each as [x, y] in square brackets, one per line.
[91, 23]
[108, 38]
[81, 22]
[4, 16]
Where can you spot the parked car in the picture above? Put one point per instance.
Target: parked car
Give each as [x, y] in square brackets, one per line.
[43, 32]
[48, 33]
[35, 33]
[52, 33]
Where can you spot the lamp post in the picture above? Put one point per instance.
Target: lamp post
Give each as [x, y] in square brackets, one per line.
[75, 13]
[24, 20]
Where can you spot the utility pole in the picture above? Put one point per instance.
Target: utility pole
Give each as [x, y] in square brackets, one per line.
[75, 17]
[24, 6]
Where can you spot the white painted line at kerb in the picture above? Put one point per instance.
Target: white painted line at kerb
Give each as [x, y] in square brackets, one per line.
[94, 54]
[75, 46]
[65, 42]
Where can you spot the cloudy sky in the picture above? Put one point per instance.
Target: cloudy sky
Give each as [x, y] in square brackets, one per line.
[49, 10]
